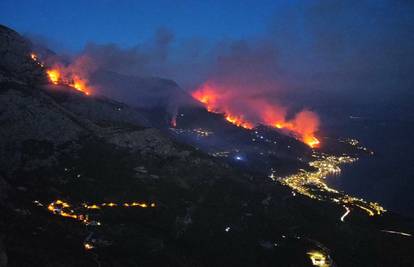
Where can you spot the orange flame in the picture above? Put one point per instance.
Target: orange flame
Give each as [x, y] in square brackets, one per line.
[210, 98]
[65, 76]
[57, 76]
[54, 76]
[80, 85]
[239, 121]
[221, 100]
[207, 96]
[311, 141]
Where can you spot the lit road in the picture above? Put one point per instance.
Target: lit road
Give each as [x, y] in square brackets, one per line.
[80, 213]
[397, 233]
[348, 210]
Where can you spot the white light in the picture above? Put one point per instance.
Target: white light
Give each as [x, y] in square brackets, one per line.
[347, 211]
[238, 158]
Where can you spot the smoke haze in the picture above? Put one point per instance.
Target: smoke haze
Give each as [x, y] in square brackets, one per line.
[311, 49]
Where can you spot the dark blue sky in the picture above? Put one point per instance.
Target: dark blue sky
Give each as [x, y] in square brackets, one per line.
[76, 22]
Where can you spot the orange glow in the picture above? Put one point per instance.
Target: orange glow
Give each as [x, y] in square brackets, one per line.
[142, 205]
[54, 76]
[57, 76]
[60, 207]
[80, 85]
[247, 112]
[71, 76]
[207, 96]
[174, 121]
[88, 246]
[210, 98]
[238, 121]
[93, 207]
[64, 209]
[33, 56]
[311, 141]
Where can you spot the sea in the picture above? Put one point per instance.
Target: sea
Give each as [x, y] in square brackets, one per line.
[386, 177]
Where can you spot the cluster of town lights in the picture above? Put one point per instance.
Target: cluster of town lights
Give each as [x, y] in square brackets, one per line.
[305, 183]
[319, 259]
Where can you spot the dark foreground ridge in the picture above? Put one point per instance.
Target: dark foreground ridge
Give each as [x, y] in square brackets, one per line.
[84, 181]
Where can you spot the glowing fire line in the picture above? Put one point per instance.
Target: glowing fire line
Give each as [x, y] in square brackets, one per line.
[211, 97]
[57, 76]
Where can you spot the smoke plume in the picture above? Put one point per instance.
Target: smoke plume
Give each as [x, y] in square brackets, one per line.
[312, 52]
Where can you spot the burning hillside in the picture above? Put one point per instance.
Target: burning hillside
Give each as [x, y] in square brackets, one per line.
[247, 111]
[70, 76]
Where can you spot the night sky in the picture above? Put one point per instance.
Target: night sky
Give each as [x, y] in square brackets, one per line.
[127, 23]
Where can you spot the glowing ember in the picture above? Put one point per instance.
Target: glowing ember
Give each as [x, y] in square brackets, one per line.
[247, 112]
[311, 141]
[33, 56]
[239, 121]
[53, 75]
[88, 246]
[79, 84]
[174, 121]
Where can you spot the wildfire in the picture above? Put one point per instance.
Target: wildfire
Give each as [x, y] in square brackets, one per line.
[209, 97]
[65, 76]
[80, 85]
[54, 76]
[249, 111]
[239, 121]
[311, 141]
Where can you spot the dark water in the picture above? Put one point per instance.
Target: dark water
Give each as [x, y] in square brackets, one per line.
[388, 176]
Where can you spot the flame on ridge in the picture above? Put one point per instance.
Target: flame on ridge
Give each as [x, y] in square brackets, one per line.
[247, 112]
[69, 76]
